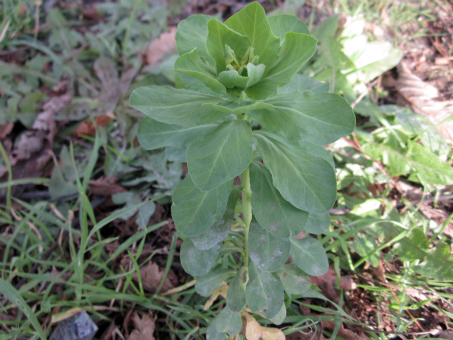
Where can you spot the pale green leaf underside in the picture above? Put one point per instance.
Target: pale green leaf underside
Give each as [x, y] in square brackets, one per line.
[194, 211]
[295, 51]
[267, 251]
[192, 33]
[306, 181]
[221, 155]
[220, 35]
[175, 106]
[197, 262]
[264, 293]
[236, 291]
[302, 83]
[309, 255]
[213, 333]
[153, 134]
[294, 280]
[318, 223]
[283, 23]
[251, 21]
[193, 66]
[317, 118]
[271, 210]
[229, 321]
[207, 284]
[230, 107]
[219, 230]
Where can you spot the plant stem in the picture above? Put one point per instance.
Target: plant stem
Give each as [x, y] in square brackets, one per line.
[246, 211]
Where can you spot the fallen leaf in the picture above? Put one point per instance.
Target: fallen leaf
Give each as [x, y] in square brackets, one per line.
[343, 332]
[161, 46]
[424, 99]
[87, 127]
[270, 333]
[6, 129]
[151, 276]
[144, 327]
[328, 282]
[105, 186]
[253, 330]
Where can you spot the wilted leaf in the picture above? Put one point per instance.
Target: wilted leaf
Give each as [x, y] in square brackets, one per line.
[144, 327]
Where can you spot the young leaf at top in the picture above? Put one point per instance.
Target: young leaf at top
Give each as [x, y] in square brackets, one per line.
[267, 251]
[309, 255]
[296, 50]
[318, 223]
[283, 23]
[271, 210]
[251, 21]
[221, 155]
[194, 211]
[306, 181]
[219, 230]
[192, 33]
[264, 293]
[173, 106]
[153, 134]
[197, 262]
[293, 279]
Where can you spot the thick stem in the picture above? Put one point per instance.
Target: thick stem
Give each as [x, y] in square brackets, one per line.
[246, 210]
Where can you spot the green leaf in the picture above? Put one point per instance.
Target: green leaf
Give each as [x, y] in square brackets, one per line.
[229, 321]
[309, 255]
[236, 291]
[231, 79]
[267, 251]
[13, 295]
[271, 210]
[296, 50]
[302, 83]
[221, 155]
[196, 85]
[306, 181]
[192, 33]
[219, 230]
[198, 262]
[316, 118]
[264, 293]
[283, 23]
[437, 264]
[194, 66]
[174, 106]
[293, 279]
[194, 211]
[153, 134]
[318, 223]
[230, 107]
[280, 316]
[144, 214]
[213, 333]
[251, 21]
[207, 284]
[220, 35]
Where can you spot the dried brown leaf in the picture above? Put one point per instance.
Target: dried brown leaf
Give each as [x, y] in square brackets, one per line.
[253, 330]
[328, 281]
[6, 129]
[270, 333]
[151, 276]
[144, 327]
[105, 186]
[161, 46]
[222, 290]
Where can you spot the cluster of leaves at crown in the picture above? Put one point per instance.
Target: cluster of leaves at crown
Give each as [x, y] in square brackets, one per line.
[234, 75]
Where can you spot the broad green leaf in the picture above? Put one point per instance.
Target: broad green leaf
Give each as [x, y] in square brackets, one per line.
[9, 292]
[255, 73]
[236, 291]
[271, 210]
[296, 50]
[317, 118]
[174, 106]
[283, 23]
[437, 263]
[293, 279]
[428, 167]
[219, 230]
[397, 163]
[194, 211]
[196, 85]
[318, 223]
[176, 154]
[231, 79]
[306, 181]
[264, 293]
[280, 316]
[207, 284]
[267, 251]
[221, 155]
[213, 333]
[198, 262]
[302, 83]
[309, 255]
[229, 321]
[153, 134]
[251, 21]
[194, 66]
[192, 33]
[230, 107]
[220, 35]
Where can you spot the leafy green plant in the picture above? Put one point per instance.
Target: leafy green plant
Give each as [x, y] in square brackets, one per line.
[245, 111]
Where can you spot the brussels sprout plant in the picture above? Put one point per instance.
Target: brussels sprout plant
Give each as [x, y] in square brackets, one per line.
[245, 111]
